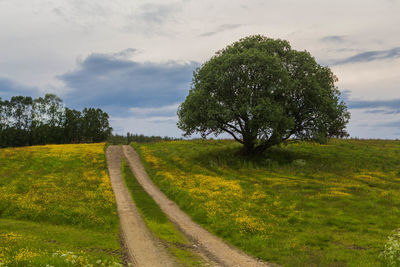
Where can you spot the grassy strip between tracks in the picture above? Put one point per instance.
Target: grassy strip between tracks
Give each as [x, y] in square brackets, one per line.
[158, 222]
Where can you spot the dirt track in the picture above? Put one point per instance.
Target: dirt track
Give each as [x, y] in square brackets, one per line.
[142, 248]
[215, 249]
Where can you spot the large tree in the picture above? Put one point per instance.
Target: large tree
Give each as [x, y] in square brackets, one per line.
[262, 92]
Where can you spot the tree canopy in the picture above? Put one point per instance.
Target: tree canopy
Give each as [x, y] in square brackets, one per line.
[262, 92]
[45, 120]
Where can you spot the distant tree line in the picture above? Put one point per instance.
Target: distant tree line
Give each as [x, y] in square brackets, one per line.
[25, 121]
[139, 138]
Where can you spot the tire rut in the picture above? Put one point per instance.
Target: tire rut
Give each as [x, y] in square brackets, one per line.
[142, 248]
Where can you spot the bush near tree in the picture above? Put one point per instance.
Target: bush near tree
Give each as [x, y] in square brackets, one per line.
[262, 92]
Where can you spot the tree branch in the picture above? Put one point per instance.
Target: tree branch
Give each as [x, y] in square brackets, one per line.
[289, 135]
[233, 127]
[229, 125]
[240, 124]
[233, 135]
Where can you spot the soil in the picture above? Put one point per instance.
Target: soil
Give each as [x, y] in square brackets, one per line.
[212, 247]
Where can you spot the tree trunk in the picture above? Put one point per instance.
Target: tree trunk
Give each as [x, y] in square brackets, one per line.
[261, 148]
[264, 146]
[248, 147]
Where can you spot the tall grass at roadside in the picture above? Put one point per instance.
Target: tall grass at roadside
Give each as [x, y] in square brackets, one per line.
[298, 204]
[158, 223]
[57, 207]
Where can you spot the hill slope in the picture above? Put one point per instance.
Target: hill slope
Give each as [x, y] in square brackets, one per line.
[299, 204]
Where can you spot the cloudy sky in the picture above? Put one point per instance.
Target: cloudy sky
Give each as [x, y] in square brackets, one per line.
[135, 59]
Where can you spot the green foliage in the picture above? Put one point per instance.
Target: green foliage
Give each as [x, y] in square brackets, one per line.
[25, 121]
[337, 209]
[262, 92]
[158, 222]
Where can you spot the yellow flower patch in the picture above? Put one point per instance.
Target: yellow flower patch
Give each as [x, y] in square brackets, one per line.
[9, 237]
[59, 183]
[25, 254]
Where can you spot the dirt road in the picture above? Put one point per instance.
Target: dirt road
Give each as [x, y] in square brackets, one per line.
[143, 249]
[214, 248]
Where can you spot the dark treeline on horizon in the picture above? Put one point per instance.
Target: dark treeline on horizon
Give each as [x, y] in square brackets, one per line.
[25, 121]
[139, 138]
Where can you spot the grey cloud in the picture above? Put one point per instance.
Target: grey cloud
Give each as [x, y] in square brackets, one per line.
[152, 19]
[208, 34]
[70, 14]
[162, 119]
[162, 111]
[391, 124]
[225, 27]
[371, 56]
[58, 11]
[157, 13]
[383, 111]
[221, 28]
[333, 38]
[345, 95]
[392, 104]
[343, 50]
[9, 88]
[117, 85]
[386, 107]
[127, 53]
[389, 106]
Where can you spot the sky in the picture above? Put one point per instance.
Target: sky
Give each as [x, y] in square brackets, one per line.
[135, 59]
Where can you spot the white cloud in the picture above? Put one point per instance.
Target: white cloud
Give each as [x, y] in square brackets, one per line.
[163, 110]
[370, 80]
[160, 126]
[371, 125]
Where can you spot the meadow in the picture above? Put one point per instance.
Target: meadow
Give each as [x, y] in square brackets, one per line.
[299, 204]
[57, 207]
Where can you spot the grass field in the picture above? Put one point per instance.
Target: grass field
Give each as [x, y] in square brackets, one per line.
[57, 207]
[301, 204]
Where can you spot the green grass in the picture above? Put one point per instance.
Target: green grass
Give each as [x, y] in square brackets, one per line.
[158, 223]
[57, 207]
[46, 243]
[299, 204]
